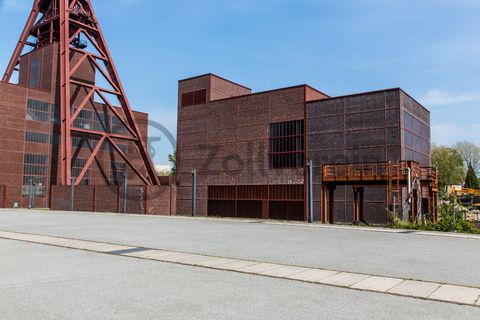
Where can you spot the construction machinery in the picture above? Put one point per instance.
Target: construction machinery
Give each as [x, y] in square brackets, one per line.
[466, 196]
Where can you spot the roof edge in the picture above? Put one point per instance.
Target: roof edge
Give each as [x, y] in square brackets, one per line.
[356, 94]
[216, 76]
[267, 92]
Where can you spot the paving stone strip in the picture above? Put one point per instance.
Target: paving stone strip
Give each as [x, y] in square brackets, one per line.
[356, 281]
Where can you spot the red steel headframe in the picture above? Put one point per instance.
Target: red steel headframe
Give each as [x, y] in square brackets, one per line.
[66, 20]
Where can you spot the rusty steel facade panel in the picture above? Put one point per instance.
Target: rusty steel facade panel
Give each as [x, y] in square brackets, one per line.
[362, 128]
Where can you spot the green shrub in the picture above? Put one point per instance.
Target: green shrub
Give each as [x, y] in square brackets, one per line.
[445, 222]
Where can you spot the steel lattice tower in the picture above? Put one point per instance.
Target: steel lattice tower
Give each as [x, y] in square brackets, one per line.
[67, 22]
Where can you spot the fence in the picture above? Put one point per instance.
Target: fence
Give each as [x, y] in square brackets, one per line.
[149, 200]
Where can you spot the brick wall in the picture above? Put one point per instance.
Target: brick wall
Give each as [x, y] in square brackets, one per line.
[227, 142]
[3, 196]
[150, 200]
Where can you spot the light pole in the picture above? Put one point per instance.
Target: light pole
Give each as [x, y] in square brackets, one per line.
[72, 194]
[194, 192]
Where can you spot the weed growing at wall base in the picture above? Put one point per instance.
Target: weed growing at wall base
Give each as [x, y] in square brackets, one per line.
[448, 221]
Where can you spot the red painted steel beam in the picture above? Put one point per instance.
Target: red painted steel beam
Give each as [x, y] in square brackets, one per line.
[76, 33]
[22, 41]
[102, 133]
[81, 106]
[65, 98]
[127, 160]
[95, 44]
[77, 65]
[87, 85]
[107, 77]
[125, 104]
[96, 56]
[117, 114]
[90, 160]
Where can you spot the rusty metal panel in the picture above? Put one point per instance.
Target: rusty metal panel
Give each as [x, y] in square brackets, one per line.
[287, 210]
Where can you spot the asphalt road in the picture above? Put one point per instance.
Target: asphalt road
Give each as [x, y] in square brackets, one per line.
[428, 258]
[43, 282]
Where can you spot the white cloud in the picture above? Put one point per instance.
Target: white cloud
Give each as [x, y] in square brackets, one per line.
[436, 97]
[451, 133]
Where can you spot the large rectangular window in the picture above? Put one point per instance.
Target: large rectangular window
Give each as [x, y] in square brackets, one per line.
[194, 98]
[77, 166]
[34, 79]
[118, 127]
[37, 137]
[83, 120]
[34, 174]
[117, 173]
[98, 121]
[38, 111]
[287, 144]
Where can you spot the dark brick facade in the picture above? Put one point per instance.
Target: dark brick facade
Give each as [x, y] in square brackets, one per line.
[362, 128]
[228, 141]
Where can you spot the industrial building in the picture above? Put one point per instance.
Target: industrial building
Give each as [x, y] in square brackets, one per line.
[68, 122]
[250, 152]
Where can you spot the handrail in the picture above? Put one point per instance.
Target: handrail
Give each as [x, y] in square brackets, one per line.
[377, 171]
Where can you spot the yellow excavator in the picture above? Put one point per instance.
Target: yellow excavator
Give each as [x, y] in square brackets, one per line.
[469, 198]
[474, 194]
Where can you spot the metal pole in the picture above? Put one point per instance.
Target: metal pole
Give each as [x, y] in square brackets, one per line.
[406, 210]
[124, 195]
[194, 192]
[454, 213]
[395, 206]
[310, 190]
[72, 194]
[30, 194]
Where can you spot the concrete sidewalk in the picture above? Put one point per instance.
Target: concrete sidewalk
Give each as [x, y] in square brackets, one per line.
[51, 283]
[387, 285]
[442, 259]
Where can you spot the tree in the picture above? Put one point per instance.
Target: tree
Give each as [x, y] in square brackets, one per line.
[172, 158]
[470, 154]
[471, 180]
[449, 164]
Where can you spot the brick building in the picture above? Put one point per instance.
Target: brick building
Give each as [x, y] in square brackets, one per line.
[250, 149]
[29, 121]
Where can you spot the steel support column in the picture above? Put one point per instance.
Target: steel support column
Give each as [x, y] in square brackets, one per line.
[324, 204]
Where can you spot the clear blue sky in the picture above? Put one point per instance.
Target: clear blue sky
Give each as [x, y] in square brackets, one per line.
[430, 48]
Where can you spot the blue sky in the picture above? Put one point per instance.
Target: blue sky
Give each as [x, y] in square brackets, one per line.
[430, 48]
